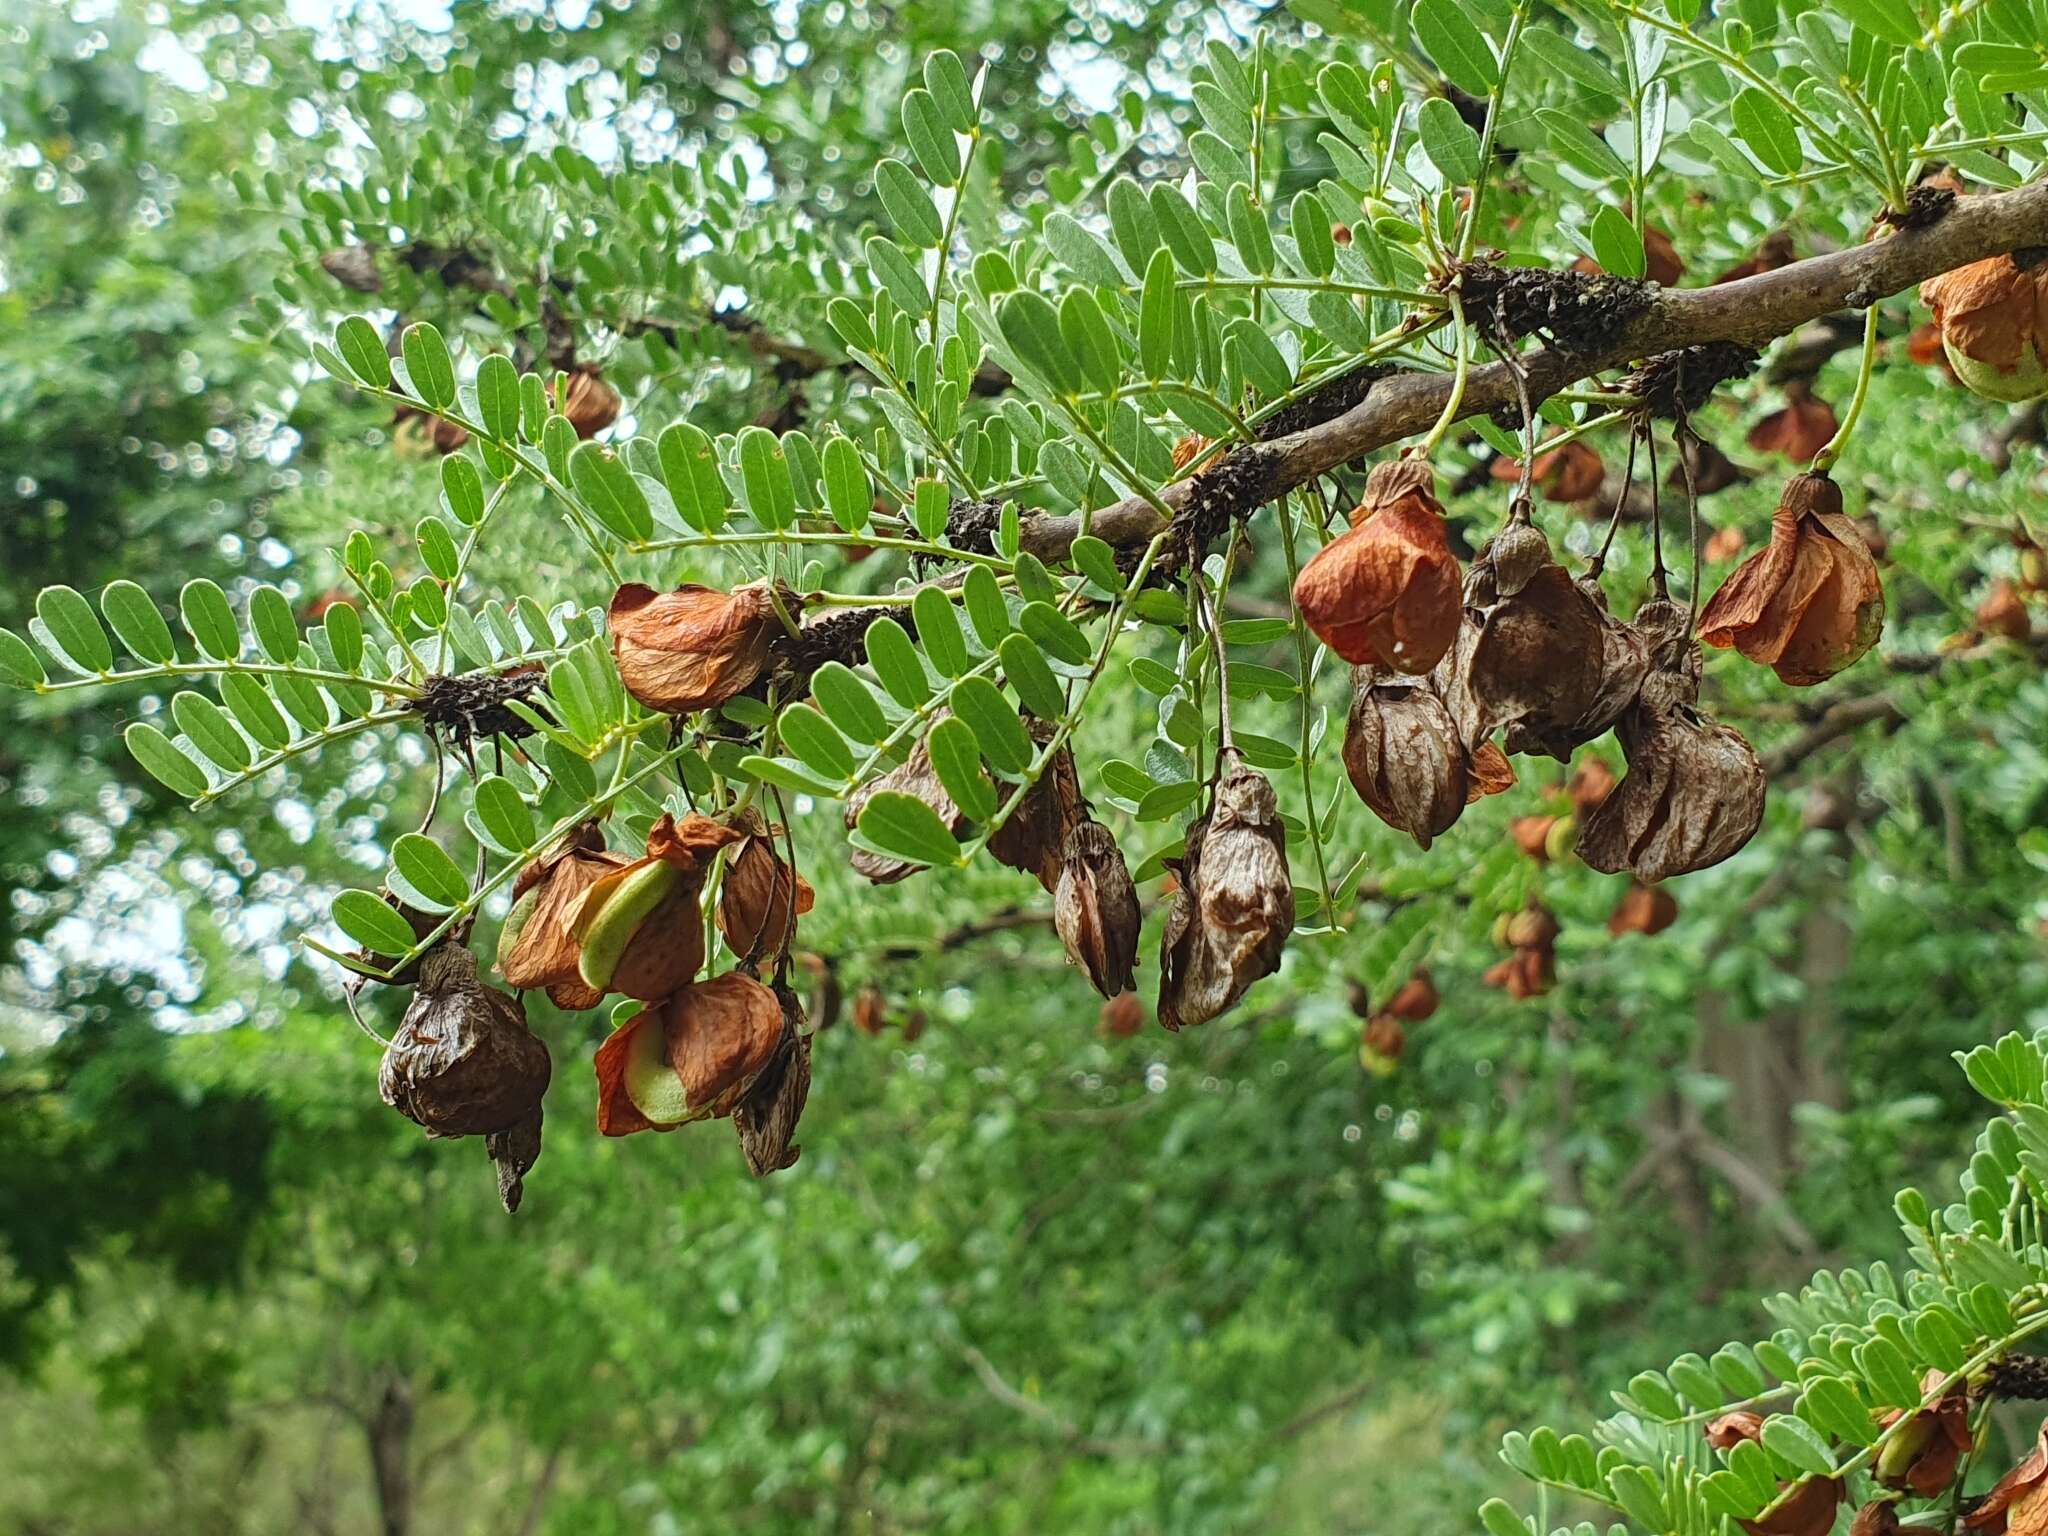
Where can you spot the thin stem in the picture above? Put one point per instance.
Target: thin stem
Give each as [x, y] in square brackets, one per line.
[1493, 104]
[1628, 476]
[1687, 443]
[1657, 577]
[800, 536]
[1413, 296]
[1456, 402]
[397, 686]
[1832, 449]
[1305, 662]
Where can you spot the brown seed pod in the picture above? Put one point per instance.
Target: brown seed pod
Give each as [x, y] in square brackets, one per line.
[1724, 545]
[1032, 839]
[1235, 907]
[463, 1062]
[1528, 972]
[2018, 1501]
[2004, 612]
[589, 404]
[1643, 909]
[1880, 1517]
[1404, 756]
[1531, 834]
[1799, 429]
[1122, 1016]
[761, 897]
[1591, 782]
[1386, 592]
[1922, 1454]
[693, 648]
[691, 1057]
[638, 929]
[1808, 1511]
[1415, 999]
[869, 1011]
[1693, 793]
[1712, 470]
[915, 777]
[1993, 318]
[536, 947]
[1810, 603]
[1381, 1043]
[513, 1152]
[1731, 1429]
[765, 1117]
[1571, 472]
[1538, 665]
[1095, 908]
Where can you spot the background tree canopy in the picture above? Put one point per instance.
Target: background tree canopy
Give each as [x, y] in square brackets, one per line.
[1007, 365]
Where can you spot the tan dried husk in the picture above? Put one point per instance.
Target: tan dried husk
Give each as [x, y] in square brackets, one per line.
[1537, 662]
[1415, 999]
[915, 777]
[667, 947]
[693, 648]
[1095, 908]
[760, 897]
[1122, 1016]
[1694, 790]
[463, 1062]
[1386, 592]
[1404, 755]
[766, 1116]
[1810, 603]
[2018, 1501]
[536, 948]
[1570, 472]
[1644, 909]
[1235, 906]
[1032, 839]
[1993, 311]
[1799, 429]
[589, 403]
[1808, 1511]
[717, 1037]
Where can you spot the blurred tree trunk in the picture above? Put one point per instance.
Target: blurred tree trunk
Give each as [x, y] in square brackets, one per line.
[389, 1431]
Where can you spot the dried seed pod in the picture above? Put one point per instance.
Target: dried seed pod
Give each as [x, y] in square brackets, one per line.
[869, 1016]
[692, 648]
[1800, 428]
[1712, 470]
[1122, 1016]
[1538, 666]
[589, 404]
[1528, 972]
[1514, 556]
[765, 1117]
[637, 929]
[1643, 909]
[2018, 1501]
[1809, 1510]
[354, 267]
[463, 1062]
[1693, 793]
[691, 1057]
[1880, 1517]
[513, 1152]
[1404, 756]
[1731, 1429]
[536, 947]
[1032, 839]
[1381, 1043]
[1724, 545]
[1235, 907]
[1415, 999]
[1490, 773]
[1993, 316]
[1095, 908]
[1386, 592]
[1591, 782]
[1810, 603]
[1531, 834]
[1921, 1455]
[915, 777]
[761, 897]
[2004, 612]
[1570, 472]
[1189, 448]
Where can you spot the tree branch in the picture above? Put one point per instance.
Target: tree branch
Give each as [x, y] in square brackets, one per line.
[1750, 311]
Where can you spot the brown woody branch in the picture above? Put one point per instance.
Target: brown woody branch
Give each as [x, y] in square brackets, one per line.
[1750, 311]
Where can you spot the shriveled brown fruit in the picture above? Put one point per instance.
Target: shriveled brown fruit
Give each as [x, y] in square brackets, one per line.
[1235, 907]
[1799, 429]
[1724, 545]
[463, 1062]
[513, 1152]
[1122, 1016]
[1993, 316]
[589, 403]
[1712, 470]
[1095, 908]
[1415, 999]
[1490, 773]
[2018, 1501]
[1808, 604]
[1386, 592]
[915, 777]
[1528, 972]
[869, 1011]
[1808, 1509]
[1189, 448]
[761, 897]
[1924, 347]
[1772, 252]
[1539, 665]
[691, 1057]
[2004, 612]
[536, 947]
[765, 1118]
[1590, 783]
[637, 928]
[1731, 1429]
[1032, 840]
[1880, 1517]
[1568, 473]
[1693, 793]
[1403, 754]
[1381, 1043]
[693, 648]
[1921, 1454]
[1643, 909]
[1531, 834]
